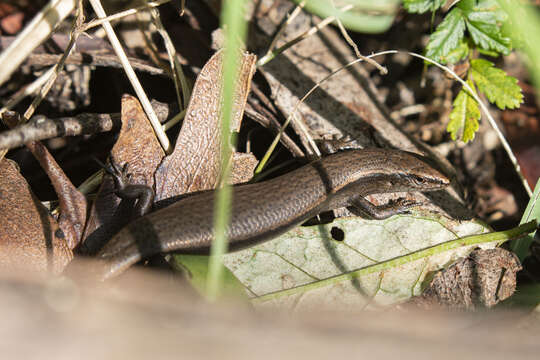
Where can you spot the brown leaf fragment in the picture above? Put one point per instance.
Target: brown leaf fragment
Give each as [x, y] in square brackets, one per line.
[137, 144]
[138, 149]
[195, 163]
[30, 238]
[483, 278]
[242, 167]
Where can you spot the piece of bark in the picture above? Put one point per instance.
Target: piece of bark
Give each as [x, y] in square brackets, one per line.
[484, 278]
[195, 163]
[30, 238]
[40, 128]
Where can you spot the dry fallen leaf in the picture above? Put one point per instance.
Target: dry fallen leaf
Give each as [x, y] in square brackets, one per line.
[195, 162]
[485, 277]
[30, 238]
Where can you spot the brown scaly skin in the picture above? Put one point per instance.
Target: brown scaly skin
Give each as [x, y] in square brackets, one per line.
[265, 210]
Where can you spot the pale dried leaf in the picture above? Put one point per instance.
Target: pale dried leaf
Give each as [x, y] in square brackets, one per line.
[195, 163]
[308, 254]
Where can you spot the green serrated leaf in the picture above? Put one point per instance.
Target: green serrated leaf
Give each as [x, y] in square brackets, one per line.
[464, 116]
[467, 5]
[459, 53]
[489, 37]
[500, 88]
[490, 53]
[422, 6]
[483, 10]
[484, 20]
[493, 7]
[447, 36]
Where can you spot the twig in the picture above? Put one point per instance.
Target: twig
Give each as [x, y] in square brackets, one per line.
[272, 54]
[56, 69]
[31, 89]
[40, 128]
[105, 60]
[290, 18]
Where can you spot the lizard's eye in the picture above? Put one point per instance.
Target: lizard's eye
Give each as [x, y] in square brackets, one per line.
[418, 180]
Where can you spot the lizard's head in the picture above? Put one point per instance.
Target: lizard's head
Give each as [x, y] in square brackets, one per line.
[417, 173]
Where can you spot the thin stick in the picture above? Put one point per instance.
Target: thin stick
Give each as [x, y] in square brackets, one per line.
[171, 53]
[272, 54]
[180, 81]
[263, 60]
[37, 31]
[382, 70]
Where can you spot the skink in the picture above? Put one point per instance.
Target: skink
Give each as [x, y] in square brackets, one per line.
[264, 210]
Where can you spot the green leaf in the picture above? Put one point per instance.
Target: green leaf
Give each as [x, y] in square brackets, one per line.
[196, 267]
[459, 53]
[447, 36]
[499, 88]
[489, 37]
[422, 6]
[484, 22]
[464, 116]
[367, 16]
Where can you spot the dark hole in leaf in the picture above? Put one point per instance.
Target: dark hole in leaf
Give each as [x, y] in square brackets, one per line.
[323, 218]
[337, 233]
